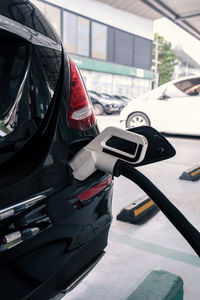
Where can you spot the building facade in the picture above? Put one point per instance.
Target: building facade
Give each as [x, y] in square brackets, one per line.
[187, 65]
[112, 48]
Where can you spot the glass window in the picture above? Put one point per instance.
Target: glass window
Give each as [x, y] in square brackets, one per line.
[76, 34]
[189, 87]
[83, 36]
[29, 85]
[99, 41]
[123, 85]
[142, 86]
[142, 53]
[123, 48]
[52, 13]
[95, 81]
[87, 78]
[70, 32]
[39, 5]
[172, 91]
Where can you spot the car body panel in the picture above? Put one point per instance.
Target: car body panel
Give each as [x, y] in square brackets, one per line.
[48, 235]
[173, 114]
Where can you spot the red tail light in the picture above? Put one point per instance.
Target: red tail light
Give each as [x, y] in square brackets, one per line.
[81, 115]
[95, 190]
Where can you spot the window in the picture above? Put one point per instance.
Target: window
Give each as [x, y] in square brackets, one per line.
[27, 90]
[52, 13]
[99, 41]
[83, 36]
[70, 32]
[142, 53]
[189, 87]
[123, 48]
[122, 85]
[110, 44]
[142, 86]
[76, 34]
[39, 5]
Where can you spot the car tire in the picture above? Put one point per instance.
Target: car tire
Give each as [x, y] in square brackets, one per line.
[109, 112]
[98, 109]
[137, 119]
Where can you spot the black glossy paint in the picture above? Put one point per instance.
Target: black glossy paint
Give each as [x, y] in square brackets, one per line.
[50, 240]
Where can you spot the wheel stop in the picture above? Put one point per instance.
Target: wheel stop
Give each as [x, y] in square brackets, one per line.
[191, 174]
[158, 285]
[138, 211]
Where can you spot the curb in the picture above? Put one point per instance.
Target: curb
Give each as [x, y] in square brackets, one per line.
[138, 211]
[158, 285]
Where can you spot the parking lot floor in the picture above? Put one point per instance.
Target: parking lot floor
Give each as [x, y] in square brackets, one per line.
[134, 250]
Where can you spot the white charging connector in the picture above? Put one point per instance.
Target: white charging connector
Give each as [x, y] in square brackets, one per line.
[106, 149]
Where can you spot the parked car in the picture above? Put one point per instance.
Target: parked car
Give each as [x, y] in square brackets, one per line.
[123, 98]
[172, 108]
[103, 103]
[53, 228]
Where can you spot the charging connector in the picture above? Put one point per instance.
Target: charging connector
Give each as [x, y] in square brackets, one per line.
[106, 149]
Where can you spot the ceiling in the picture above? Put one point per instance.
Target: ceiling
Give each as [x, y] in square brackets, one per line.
[184, 13]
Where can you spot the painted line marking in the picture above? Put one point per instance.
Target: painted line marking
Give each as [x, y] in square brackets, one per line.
[190, 259]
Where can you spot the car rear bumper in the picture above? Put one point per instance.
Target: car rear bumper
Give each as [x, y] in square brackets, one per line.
[55, 257]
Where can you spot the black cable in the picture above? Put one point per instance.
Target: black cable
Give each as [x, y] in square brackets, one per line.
[189, 232]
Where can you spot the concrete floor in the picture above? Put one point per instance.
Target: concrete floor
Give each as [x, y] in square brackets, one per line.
[134, 250]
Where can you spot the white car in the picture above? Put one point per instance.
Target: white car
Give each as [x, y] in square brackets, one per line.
[173, 107]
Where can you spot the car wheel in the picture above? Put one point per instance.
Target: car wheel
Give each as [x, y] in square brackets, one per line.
[109, 112]
[98, 109]
[137, 119]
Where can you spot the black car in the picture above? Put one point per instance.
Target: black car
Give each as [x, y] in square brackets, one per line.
[123, 98]
[103, 103]
[53, 228]
[118, 100]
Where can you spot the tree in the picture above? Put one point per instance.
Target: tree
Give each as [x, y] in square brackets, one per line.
[166, 59]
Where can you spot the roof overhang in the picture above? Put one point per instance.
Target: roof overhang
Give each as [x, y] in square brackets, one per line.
[184, 13]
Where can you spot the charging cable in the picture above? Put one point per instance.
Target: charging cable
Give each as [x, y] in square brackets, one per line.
[188, 231]
[117, 151]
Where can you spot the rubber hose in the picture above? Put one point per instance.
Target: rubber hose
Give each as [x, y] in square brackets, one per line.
[189, 232]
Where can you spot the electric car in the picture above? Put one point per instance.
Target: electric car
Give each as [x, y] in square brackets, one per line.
[172, 108]
[53, 228]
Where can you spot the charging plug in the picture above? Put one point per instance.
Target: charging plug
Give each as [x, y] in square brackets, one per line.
[106, 149]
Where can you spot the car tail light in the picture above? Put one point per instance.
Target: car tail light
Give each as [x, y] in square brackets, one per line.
[95, 190]
[81, 115]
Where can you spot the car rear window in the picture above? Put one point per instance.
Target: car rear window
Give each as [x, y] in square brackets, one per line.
[28, 79]
[27, 14]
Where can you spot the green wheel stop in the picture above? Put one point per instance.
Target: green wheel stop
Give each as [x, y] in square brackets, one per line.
[139, 210]
[158, 285]
[191, 174]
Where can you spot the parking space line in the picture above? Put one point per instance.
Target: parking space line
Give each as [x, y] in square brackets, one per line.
[190, 259]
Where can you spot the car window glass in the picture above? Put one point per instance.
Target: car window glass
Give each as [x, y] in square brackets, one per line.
[172, 91]
[190, 87]
[28, 79]
[25, 13]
